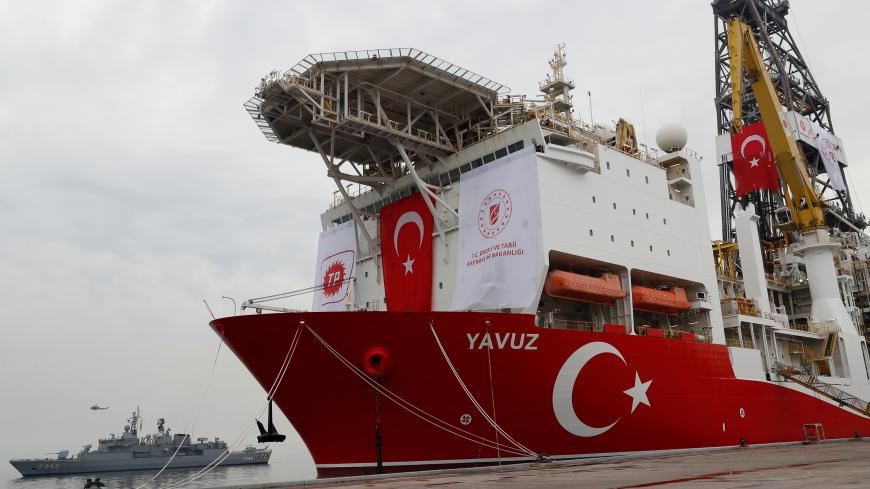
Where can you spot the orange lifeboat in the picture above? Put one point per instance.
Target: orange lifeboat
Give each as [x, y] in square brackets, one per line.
[671, 301]
[606, 289]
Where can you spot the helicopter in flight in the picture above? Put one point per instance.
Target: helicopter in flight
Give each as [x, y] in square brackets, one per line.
[96, 407]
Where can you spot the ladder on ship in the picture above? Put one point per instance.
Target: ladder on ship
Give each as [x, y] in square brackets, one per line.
[814, 384]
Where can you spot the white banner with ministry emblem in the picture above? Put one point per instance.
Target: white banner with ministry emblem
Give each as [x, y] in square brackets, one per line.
[499, 256]
[828, 151]
[336, 260]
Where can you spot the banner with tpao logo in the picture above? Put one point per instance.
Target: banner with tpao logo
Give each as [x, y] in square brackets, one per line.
[336, 257]
[499, 227]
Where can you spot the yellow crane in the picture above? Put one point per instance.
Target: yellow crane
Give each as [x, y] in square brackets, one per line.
[815, 244]
[806, 209]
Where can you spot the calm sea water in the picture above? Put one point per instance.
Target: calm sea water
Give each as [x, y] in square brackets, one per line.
[275, 471]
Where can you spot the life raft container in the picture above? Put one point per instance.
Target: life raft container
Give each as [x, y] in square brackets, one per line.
[566, 285]
[671, 301]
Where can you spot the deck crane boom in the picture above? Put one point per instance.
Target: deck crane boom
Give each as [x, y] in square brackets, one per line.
[806, 209]
[814, 241]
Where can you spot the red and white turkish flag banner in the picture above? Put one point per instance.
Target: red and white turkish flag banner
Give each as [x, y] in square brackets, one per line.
[754, 165]
[336, 257]
[406, 252]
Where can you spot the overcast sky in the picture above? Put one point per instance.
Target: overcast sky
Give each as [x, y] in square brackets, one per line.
[133, 184]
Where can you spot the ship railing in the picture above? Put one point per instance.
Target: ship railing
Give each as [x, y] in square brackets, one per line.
[353, 190]
[260, 303]
[556, 78]
[738, 343]
[554, 323]
[806, 379]
[392, 53]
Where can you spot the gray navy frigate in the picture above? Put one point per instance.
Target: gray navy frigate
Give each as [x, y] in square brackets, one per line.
[128, 451]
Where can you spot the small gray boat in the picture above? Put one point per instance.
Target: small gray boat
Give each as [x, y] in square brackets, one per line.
[130, 452]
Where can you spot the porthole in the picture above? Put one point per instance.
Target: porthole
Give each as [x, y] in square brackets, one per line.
[607, 164]
[627, 172]
[612, 238]
[590, 232]
[650, 247]
[632, 243]
[646, 179]
[614, 205]
[664, 220]
[634, 212]
[647, 215]
[593, 199]
[669, 252]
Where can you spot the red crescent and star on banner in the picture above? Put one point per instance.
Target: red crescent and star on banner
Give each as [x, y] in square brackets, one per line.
[406, 246]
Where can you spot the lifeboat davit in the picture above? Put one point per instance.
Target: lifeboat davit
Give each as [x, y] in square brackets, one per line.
[606, 289]
[671, 301]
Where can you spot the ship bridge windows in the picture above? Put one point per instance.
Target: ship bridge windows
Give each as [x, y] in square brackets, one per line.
[866, 359]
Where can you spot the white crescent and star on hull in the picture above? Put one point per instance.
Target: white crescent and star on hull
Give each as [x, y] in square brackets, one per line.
[563, 389]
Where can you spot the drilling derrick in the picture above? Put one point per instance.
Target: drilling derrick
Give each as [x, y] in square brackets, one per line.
[803, 101]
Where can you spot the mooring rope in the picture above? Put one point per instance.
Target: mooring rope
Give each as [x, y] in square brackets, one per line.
[244, 434]
[195, 418]
[412, 408]
[476, 404]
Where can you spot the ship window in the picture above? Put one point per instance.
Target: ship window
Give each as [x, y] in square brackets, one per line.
[632, 243]
[464, 168]
[476, 163]
[367, 274]
[590, 232]
[612, 238]
[650, 247]
[634, 212]
[454, 175]
[664, 220]
[593, 199]
[516, 146]
[647, 215]
[669, 252]
[866, 359]
[440, 285]
[488, 158]
[607, 163]
[627, 172]
[646, 179]
[501, 152]
[614, 205]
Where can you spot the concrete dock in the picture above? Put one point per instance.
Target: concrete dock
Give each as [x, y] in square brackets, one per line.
[828, 464]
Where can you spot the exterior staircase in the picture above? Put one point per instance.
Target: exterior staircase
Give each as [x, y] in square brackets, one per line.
[813, 383]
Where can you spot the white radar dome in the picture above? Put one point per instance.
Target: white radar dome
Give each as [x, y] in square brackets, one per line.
[671, 137]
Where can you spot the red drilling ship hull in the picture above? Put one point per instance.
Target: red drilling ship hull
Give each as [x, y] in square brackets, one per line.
[452, 389]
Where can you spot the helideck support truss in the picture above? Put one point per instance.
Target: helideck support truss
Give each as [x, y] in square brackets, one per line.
[377, 115]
